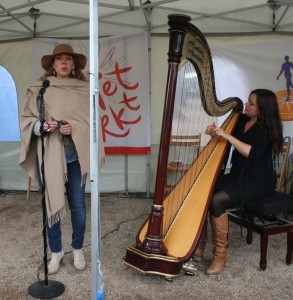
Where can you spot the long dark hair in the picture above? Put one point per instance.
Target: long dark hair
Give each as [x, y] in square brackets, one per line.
[269, 116]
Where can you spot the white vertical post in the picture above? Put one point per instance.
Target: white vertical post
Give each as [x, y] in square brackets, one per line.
[97, 277]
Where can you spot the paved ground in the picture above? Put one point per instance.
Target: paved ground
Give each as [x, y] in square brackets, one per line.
[21, 254]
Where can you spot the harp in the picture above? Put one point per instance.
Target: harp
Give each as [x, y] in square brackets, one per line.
[170, 235]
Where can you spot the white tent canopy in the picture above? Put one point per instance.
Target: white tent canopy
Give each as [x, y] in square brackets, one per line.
[230, 22]
[70, 18]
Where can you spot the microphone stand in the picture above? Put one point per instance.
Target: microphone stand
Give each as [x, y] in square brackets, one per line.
[44, 289]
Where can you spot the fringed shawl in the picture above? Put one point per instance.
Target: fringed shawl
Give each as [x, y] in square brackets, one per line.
[65, 99]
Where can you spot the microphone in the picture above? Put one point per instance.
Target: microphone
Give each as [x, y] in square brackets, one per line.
[40, 101]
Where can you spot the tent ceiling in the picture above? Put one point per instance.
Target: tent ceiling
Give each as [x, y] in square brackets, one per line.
[70, 18]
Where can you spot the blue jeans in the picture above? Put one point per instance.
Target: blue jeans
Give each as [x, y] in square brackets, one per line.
[76, 201]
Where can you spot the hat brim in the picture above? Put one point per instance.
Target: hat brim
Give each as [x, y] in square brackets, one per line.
[47, 60]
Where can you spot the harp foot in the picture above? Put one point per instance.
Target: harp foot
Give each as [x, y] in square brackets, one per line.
[189, 267]
[170, 279]
[188, 273]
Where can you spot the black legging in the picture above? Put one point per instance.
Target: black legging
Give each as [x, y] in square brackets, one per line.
[219, 203]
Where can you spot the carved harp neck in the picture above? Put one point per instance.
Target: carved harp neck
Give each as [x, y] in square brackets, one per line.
[187, 43]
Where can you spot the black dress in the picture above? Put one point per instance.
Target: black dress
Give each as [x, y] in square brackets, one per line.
[253, 176]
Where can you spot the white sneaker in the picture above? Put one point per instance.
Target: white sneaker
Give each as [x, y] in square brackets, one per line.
[78, 259]
[56, 260]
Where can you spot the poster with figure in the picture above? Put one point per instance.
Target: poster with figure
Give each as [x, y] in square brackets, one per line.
[284, 96]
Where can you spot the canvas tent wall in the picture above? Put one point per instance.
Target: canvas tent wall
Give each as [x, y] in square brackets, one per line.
[209, 16]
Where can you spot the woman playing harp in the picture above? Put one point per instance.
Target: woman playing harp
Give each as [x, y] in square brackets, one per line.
[171, 234]
[257, 141]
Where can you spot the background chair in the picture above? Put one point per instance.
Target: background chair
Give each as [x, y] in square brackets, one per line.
[282, 174]
[183, 151]
[30, 188]
[266, 215]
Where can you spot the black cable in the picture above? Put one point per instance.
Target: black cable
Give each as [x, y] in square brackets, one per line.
[119, 224]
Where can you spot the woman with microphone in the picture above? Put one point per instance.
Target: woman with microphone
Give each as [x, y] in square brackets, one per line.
[65, 129]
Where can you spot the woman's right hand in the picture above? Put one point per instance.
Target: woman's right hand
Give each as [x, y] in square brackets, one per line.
[50, 126]
[211, 129]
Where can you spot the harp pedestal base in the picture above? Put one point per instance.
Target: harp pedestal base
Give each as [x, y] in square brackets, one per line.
[166, 266]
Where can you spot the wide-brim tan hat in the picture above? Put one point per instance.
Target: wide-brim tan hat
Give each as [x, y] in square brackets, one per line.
[47, 60]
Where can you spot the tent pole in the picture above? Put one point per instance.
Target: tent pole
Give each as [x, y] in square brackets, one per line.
[97, 277]
[148, 15]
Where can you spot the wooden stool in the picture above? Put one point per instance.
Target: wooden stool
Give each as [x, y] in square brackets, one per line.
[263, 217]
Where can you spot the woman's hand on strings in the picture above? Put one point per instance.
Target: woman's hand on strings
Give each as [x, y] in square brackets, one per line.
[222, 133]
[211, 129]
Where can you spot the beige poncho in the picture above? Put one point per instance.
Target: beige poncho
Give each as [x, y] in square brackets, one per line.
[65, 99]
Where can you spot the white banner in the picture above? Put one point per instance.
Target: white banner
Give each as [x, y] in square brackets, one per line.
[124, 98]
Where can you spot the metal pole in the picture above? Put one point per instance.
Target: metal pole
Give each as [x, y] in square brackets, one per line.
[97, 276]
[148, 17]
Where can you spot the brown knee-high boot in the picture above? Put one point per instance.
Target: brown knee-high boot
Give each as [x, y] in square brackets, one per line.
[198, 255]
[220, 228]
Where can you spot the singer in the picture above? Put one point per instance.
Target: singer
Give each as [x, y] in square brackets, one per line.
[63, 123]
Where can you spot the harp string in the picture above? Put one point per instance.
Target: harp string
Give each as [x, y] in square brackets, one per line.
[189, 120]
